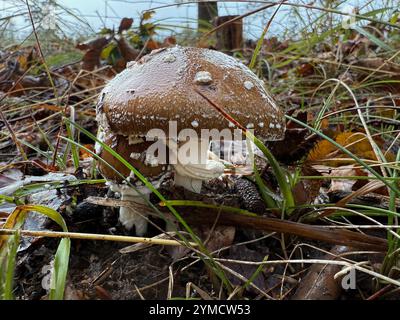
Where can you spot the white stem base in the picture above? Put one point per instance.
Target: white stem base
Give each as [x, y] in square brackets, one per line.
[128, 216]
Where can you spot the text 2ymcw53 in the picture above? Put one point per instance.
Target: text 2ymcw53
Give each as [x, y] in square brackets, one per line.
[223, 309]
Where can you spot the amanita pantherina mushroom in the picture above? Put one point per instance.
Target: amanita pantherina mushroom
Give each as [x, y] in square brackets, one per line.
[160, 88]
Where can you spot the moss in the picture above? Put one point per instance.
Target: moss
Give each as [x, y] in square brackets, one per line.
[59, 59]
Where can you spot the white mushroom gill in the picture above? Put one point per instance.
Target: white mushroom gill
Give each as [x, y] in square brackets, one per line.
[190, 173]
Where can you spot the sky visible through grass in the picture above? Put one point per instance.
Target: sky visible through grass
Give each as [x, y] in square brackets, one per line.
[108, 13]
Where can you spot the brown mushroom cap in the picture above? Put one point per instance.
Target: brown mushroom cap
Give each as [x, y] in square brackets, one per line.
[161, 87]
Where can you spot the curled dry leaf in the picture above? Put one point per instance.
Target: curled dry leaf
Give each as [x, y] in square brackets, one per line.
[344, 185]
[13, 79]
[214, 239]
[127, 52]
[305, 70]
[379, 64]
[102, 293]
[85, 154]
[296, 144]
[148, 15]
[246, 270]
[219, 237]
[152, 44]
[91, 59]
[319, 283]
[355, 142]
[305, 191]
[169, 41]
[125, 24]
[40, 195]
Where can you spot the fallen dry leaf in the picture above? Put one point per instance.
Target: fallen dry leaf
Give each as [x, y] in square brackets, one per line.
[306, 190]
[91, 59]
[125, 24]
[127, 52]
[319, 283]
[355, 142]
[246, 270]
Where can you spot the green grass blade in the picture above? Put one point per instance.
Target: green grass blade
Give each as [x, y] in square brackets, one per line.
[9, 259]
[262, 188]
[199, 204]
[261, 39]
[255, 273]
[60, 270]
[372, 38]
[61, 259]
[50, 185]
[8, 252]
[278, 171]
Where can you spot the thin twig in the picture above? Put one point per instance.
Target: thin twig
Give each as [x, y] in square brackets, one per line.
[14, 137]
[94, 236]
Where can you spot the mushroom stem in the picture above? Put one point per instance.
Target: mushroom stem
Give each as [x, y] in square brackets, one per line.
[128, 216]
[199, 166]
